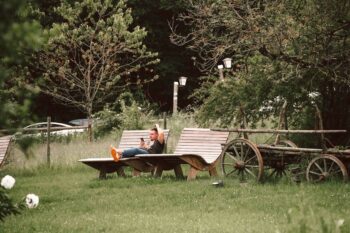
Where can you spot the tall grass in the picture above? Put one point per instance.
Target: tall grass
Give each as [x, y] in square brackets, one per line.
[65, 152]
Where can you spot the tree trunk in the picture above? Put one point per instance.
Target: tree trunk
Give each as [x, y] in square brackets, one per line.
[335, 112]
[90, 122]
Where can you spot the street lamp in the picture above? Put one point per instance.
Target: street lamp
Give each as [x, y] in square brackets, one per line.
[182, 82]
[227, 63]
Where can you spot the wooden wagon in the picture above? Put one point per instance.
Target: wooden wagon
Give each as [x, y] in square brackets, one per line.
[243, 158]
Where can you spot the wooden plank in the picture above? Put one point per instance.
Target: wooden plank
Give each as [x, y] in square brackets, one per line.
[281, 131]
[197, 151]
[290, 149]
[5, 143]
[199, 147]
[202, 137]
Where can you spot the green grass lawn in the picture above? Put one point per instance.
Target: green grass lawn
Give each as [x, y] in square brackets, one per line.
[74, 200]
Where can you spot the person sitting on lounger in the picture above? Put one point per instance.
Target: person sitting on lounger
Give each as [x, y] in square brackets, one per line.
[156, 136]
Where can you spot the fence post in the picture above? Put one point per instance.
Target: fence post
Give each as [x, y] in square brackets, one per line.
[164, 127]
[48, 141]
[164, 120]
[90, 130]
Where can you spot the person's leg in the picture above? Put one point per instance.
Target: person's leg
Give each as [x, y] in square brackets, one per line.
[132, 152]
[116, 153]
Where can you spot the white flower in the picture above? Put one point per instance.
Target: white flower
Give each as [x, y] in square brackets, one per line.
[32, 201]
[8, 182]
[339, 222]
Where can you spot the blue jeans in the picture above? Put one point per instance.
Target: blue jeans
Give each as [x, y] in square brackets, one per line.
[132, 152]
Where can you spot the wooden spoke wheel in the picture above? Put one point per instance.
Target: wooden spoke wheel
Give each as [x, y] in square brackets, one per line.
[242, 158]
[279, 167]
[326, 167]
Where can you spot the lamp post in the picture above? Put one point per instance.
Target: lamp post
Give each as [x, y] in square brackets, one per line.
[221, 72]
[181, 83]
[227, 64]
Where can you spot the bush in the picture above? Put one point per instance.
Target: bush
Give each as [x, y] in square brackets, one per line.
[7, 207]
[131, 116]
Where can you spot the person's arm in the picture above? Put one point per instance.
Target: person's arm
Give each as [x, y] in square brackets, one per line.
[143, 145]
[160, 134]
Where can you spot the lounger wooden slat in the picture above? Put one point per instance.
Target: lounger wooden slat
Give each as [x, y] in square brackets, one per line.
[200, 148]
[129, 139]
[4, 148]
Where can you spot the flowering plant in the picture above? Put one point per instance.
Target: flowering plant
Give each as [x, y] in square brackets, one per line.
[7, 206]
[8, 182]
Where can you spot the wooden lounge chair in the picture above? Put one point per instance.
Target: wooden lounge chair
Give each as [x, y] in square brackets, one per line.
[200, 148]
[4, 148]
[129, 139]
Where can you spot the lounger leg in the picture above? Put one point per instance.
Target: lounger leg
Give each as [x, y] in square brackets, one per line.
[158, 170]
[136, 172]
[192, 173]
[213, 172]
[178, 172]
[120, 172]
[102, 175]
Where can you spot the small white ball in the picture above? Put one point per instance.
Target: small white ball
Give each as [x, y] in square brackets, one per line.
[32, 201]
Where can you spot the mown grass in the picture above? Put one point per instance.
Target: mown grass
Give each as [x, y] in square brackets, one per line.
[74, 200]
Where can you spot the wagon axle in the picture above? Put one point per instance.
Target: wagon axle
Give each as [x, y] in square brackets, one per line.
[239, 165]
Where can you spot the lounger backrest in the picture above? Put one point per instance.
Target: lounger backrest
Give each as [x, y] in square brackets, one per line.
[131, 138]
[4, 145]
[202, 142]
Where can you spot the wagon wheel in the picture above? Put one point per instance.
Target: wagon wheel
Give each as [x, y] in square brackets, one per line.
[242, 158]
[279, 168]
[326, 167]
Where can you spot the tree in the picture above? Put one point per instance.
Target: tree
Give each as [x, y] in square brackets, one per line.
[93, 55]
[19, 37]
[155, 16]
[283, 48]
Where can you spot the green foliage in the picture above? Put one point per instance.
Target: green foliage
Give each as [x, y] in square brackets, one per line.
[105, 122]
[280, 49]
[26, 143]
[94, 54]
[18, 38]
[133, 116]
[7, 207]
[155, 16]
[304, 219]
[127, 113]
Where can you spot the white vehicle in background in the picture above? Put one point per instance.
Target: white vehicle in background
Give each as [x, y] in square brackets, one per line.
[79, 122]
[63, 132]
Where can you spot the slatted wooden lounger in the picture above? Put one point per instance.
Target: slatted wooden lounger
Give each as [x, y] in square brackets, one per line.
[4, 148]
[129, 139]
[200, 148]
